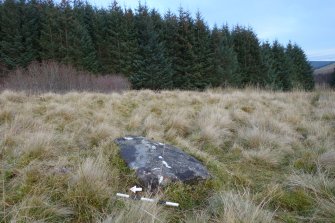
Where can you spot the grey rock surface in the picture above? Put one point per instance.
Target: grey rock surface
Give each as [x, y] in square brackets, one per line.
[158, 163]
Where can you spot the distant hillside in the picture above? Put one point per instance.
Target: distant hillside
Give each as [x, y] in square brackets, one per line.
[323, 74]
[319, 64]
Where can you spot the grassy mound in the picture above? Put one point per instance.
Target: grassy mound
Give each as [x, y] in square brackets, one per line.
[272, 155]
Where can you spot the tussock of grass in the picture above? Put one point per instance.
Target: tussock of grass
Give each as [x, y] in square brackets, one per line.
[318, 183]
[138, 212]
[327, 161]
[59, 162]
[263, 156]
[234, 207]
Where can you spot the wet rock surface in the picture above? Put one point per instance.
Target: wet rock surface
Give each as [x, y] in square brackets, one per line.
[158, 163]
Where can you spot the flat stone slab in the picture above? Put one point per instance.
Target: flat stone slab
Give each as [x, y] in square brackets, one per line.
[158, 163]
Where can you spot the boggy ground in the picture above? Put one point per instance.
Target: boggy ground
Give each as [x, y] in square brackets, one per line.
[271, 154]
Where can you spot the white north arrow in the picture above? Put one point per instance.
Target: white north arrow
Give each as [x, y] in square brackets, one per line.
[135, 189]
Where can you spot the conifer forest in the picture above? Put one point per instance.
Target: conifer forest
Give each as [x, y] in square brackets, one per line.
[152, 50]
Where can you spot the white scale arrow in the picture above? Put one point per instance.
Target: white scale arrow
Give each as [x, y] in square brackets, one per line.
[135, 189]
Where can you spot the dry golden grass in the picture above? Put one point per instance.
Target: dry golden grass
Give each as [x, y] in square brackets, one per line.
[59, 162]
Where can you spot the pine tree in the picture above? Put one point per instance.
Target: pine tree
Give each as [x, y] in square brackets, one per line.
[302, 73]
[170, 36]
[85, 16]
[202, 54]
[128, 45]
[268, 62]
[184, 53]
[153, 68]
[11, 45]
[51, 37]
[116, 40]
[114, 37]
[224, 60]
[31, 26]
[2, 66]
[82, 52]
[282, 67]
[102, 45]
[67, 28]
[247, 47]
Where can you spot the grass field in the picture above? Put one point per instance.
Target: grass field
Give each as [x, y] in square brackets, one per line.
[272, 155]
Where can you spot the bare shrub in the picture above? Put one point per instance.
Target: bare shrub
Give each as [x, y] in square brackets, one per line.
[50, 76]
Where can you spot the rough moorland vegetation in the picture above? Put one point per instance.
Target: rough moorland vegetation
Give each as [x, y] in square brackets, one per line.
[271, 155]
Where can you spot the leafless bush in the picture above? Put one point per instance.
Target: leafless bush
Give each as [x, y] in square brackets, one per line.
[54, 77]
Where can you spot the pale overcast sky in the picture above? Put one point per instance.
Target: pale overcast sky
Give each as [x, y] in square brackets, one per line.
[309, 23]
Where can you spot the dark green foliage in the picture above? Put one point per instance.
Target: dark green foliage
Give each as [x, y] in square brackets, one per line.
[128, 45]
[224, 60]
[268, 62]
[202, 52]
[184, 53]
[170, 34]
[11, 36]
[247, 48]
[50, 38]
[302, 73]
[153, 70]
[114, 38]
[31, 32]
[176, 51]
[282, 68]
[84, 54]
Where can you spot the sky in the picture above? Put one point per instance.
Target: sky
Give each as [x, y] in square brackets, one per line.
[309, 23]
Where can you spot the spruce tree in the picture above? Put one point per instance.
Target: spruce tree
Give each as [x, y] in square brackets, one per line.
[282, 67]
[247, 47]
[31, 26]
[202, 54]
[268, 62]
[67, 29]
[50, 37]
[302, 73]
[82, 52]
[114, 37]
[116, 40]
[102, 42]
[224, 60]
[128, 44]
[85, 14]
[184, 52]
[11, 45]
[153, 69]
[170, 36]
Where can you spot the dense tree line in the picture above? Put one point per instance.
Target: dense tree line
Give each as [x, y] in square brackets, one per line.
[153, 51]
